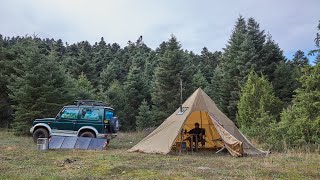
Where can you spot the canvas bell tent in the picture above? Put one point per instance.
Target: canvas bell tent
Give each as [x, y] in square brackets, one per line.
[220, 131]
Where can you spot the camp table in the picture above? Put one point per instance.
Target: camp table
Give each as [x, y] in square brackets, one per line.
[191, 144]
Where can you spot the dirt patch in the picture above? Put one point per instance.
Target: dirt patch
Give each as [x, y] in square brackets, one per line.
[8, 148]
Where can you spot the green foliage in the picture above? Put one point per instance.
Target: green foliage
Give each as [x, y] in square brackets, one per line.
[300, 59]
[285, 81]
[115, 96]
[258, 107]
[300, 123]
[83, 88]
[166, 90]
[247, 49]
[136, 90]
[40, 90]
[124, 76]
[144, 117]
[199, 80]
[217, 86]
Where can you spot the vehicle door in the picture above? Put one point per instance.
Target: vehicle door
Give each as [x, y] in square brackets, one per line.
[90, 117]
[66, 120]
[108, 115]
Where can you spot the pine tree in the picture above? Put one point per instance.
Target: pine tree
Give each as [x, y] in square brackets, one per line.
[208, 62]
[258, 107]
[166, 90]
[230, 67]
[110, 74]
[135, 90]
[300, 59]
[285, 81]
[80, 60]
[144, 117]
[246, 50]
[102, 57]
[272, 55]
[40, 91]
[215, 90]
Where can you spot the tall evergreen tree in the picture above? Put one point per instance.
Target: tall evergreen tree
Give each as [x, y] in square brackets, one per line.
[208, 62]
[40, 91]
[135, 90]
[217, 86]
[166, 90]
[285, 81]
[247, 49]
[272, 55]
[230, 67]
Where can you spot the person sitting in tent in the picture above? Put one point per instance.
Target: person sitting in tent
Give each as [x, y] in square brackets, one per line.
[197, 134]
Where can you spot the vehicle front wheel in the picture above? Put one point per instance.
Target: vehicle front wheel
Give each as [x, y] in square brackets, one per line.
[87, 134]
[40, 133]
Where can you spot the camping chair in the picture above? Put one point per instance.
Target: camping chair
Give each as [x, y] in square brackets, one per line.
[196, 140]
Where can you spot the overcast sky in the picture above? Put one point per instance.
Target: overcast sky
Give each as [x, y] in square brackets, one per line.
[292, 23]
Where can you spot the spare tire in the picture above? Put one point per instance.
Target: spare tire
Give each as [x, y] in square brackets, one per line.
[114, 125]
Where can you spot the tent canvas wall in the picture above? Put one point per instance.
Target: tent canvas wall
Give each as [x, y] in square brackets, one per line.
[199, 107]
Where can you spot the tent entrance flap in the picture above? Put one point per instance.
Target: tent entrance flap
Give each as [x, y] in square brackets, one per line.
[234, 146]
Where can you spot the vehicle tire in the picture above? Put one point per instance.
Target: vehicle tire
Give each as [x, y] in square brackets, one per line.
[87, 134]
[40, 133]
[114, 125]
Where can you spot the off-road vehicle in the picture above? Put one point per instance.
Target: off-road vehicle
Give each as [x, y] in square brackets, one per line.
[86, 118]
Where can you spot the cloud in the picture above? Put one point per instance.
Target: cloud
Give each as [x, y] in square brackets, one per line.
[195, 23]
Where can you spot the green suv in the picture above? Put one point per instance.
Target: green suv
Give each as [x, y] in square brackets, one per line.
[84, 119]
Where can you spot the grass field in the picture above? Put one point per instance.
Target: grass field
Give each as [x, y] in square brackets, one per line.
[19, 159]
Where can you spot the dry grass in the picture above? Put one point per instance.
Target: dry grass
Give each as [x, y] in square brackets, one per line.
[19, 159]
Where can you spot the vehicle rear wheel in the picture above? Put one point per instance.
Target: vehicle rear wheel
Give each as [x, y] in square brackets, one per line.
[40, 133]
[87, 134]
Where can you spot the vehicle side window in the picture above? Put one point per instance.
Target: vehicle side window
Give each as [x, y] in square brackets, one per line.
[91, 114]
[70, 113]
[108, 115]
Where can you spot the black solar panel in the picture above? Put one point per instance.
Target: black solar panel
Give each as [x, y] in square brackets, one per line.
[64, 142]
[69, 142]
[82, 143]
[97, 144]
[56, 142]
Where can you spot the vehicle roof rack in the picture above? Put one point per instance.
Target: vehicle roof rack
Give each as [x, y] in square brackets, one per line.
[89, 102]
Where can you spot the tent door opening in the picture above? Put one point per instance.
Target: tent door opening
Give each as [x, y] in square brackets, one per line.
[209, 137]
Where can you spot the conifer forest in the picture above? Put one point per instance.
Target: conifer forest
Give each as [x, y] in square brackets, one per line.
[272, 99]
